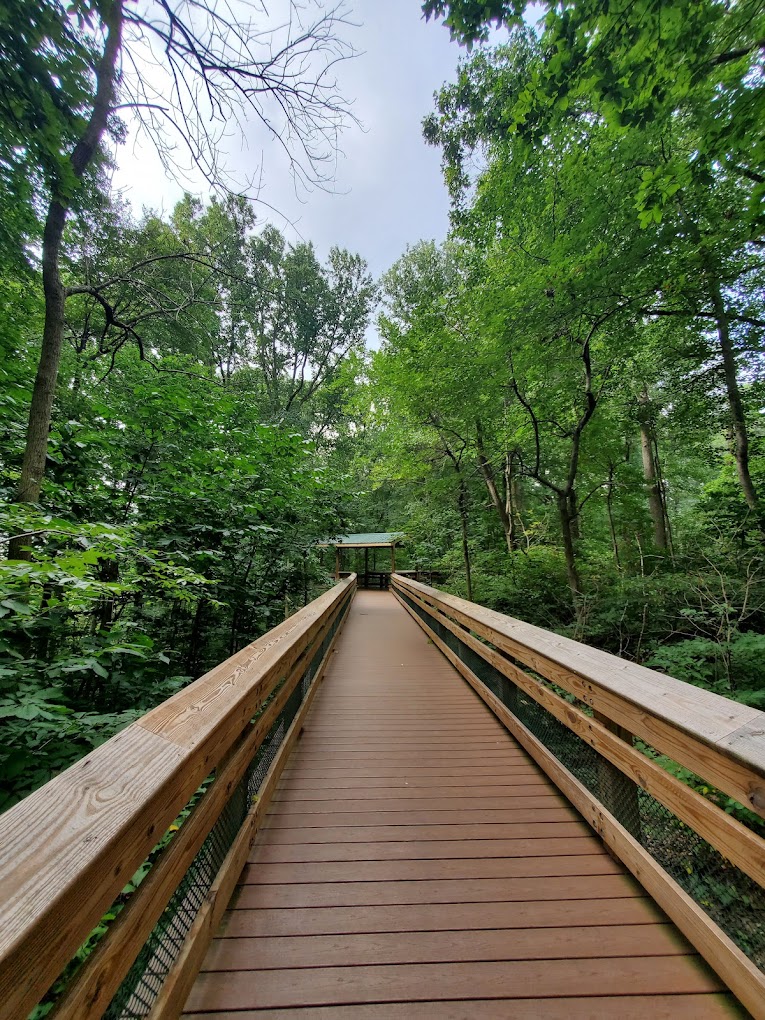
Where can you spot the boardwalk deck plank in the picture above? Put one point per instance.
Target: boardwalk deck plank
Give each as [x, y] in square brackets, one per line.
[416, 863]
[460, 869]
[633, 1007]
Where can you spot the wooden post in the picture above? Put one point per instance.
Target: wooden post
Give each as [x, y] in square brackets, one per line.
[393, 558]
[337, 562]
[616, 792]
[366, 568]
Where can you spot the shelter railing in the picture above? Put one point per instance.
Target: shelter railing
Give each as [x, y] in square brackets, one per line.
[614, 736]
[208, 760]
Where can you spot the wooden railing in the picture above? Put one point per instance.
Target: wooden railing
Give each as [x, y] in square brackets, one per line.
[608, 704]
[68, 849]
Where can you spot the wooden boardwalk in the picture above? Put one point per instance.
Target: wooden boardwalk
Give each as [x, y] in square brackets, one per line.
[417, 863]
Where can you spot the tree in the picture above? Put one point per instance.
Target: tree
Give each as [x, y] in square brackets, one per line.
[644, 65]
[693, 259]
[215, 65]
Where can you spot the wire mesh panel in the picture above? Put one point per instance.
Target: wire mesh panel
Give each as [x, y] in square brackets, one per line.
[734, 901]
[143, 983]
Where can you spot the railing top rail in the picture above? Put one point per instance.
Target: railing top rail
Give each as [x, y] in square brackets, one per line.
[68, 849]
[630, 694]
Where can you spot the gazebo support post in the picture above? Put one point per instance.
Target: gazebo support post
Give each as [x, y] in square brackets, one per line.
[337, 562]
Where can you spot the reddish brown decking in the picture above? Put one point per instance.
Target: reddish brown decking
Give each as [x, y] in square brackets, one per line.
[417, 863]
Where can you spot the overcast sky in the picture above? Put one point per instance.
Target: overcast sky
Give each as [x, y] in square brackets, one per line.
[388, 191]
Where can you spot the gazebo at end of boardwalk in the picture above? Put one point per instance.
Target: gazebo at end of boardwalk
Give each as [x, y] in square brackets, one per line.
[366, 540]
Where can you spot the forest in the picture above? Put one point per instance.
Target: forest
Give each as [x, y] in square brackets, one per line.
[564, 411]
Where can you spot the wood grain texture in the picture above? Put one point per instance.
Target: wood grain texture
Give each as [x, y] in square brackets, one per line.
[633, 1007]
[508, 980]
[402, 882]
[439, 917]
[428, 891]
[414, 850]
[67, 850]
[718, 739]
[462, 868]
[598, 942]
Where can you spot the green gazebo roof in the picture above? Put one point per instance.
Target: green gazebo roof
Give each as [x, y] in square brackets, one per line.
[365, 540]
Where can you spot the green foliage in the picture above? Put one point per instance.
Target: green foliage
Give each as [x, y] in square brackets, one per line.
[638, 67]
[46, 86]
[529, 585]
[187, 474]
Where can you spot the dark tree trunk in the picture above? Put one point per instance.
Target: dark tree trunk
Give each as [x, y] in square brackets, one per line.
[41, 407]
[500, 504]
[610, 510]
[33, 466]
[738, 419]
[568, 547]
[573, 516]
[651, 474]
[462, 506]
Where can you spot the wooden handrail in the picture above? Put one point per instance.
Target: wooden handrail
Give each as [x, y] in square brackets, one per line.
[714, 737]
[68, 849]
[719, 739]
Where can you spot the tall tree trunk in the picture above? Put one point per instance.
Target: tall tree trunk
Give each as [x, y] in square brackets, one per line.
[514, 503]
[41, 407]
[487, 473]
[650, 473]
[573, 516]
[738, 419]
[462, 506]
[610, 511]
[568, 548]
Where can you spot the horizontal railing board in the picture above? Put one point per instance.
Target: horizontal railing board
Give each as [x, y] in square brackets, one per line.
[735, 841]
[226, 696]
[721, 740]
[185, 968]
[68, 849]
[95, 984]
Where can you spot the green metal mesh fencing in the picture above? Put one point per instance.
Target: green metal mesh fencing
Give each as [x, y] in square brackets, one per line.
[138, 992]
[729, 896]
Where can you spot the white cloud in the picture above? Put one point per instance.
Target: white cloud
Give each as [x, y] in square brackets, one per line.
[388, 192]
